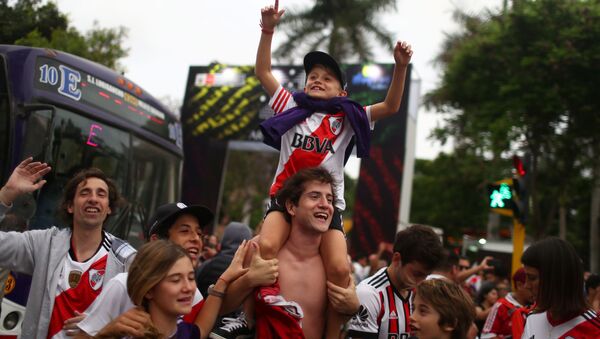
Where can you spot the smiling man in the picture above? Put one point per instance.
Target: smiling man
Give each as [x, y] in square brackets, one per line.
[386, 297]
[69, 267]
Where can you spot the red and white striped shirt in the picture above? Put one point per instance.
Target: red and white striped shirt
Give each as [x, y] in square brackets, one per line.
[384, 312]
[320, 140]
[499, 320]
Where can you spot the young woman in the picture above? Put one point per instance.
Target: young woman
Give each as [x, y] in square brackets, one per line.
[554, 274]
[442, 310]
[161, 283]
[486, 298]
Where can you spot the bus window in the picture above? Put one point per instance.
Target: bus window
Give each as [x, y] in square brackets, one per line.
[76, 143]
[4, 118]
[37, 135]
[155, 182]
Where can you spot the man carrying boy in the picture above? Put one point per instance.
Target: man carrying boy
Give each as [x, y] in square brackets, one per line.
[386, 296]
[315, 128]
[69, 267]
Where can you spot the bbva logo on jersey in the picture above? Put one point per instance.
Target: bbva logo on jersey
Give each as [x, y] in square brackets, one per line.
[96, 279]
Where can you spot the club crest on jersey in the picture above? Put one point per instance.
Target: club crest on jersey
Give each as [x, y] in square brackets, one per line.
[335, 124]
[96, 279]
[393, 315]
[312, 143]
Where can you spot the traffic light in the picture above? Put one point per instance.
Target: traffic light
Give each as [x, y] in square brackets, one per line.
[500, 197]
[521, 186]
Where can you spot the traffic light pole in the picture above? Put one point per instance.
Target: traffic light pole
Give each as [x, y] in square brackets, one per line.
[518, 244]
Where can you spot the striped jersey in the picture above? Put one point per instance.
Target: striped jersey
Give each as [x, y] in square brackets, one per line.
[79, 283]
[384, 312]
[320, 140]
[499, 320]
[584, 326]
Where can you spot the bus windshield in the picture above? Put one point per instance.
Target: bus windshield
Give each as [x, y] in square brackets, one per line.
[145, 174]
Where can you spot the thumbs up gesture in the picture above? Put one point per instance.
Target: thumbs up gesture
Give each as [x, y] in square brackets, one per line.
[262, 272]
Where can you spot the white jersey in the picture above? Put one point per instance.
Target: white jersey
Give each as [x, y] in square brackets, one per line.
[78, 285]
[384, 313]
[584, 326]
[320, 140]
[112, 302]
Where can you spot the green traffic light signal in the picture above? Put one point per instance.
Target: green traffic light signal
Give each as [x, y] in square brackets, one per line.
[500, 196]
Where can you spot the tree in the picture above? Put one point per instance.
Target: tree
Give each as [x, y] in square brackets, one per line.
[523, 81]
[345, 28]
[38, 24]
[450, 191]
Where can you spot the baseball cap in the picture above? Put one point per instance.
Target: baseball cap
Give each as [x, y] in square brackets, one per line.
[165, 215]
[321, 58]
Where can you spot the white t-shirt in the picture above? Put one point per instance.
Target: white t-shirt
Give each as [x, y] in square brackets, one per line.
[111, 303]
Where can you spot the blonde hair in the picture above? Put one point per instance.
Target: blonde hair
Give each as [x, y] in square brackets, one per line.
[454, 306]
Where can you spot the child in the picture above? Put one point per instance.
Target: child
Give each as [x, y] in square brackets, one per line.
[161, 283]
[315, 128]
[442, 310]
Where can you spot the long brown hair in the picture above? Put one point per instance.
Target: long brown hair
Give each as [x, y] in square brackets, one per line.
[561, 283]
[151, 264]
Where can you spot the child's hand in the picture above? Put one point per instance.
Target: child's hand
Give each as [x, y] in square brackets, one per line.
[235, 269]
[270, 16]
[402, 53]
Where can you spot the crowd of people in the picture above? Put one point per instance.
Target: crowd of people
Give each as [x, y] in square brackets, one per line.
[294, 279]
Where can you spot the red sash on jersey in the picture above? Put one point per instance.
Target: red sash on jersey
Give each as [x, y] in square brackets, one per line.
[301, 158]
[78, 298]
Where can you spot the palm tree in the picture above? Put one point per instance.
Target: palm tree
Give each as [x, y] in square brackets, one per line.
[345, 28]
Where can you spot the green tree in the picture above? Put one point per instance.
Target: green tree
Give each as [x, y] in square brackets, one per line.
[38, 24]
[345, 28]
[523, 81]
[450, 191]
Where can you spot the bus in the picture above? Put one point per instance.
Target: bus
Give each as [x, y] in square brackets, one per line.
[73, 113]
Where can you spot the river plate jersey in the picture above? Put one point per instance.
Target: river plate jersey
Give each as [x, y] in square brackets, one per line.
[79, 284]
[320, 140]
[499, 320]
[584, 326]
[384, 313]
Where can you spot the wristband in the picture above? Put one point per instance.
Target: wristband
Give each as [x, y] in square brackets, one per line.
[215, 293]
[267, 31]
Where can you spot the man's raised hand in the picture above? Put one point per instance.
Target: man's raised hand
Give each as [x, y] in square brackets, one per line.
[270, 17]
[262, 272]
[26, 178]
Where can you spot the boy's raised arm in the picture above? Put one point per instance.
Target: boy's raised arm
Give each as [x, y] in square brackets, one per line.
[391, 103]
[270, 17]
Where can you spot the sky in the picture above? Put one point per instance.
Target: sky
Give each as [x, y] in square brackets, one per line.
[165, 38]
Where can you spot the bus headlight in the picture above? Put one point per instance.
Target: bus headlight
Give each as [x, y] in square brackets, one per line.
[11, 320]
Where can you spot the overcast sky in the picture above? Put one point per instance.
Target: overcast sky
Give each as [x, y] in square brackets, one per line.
[166, 37]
